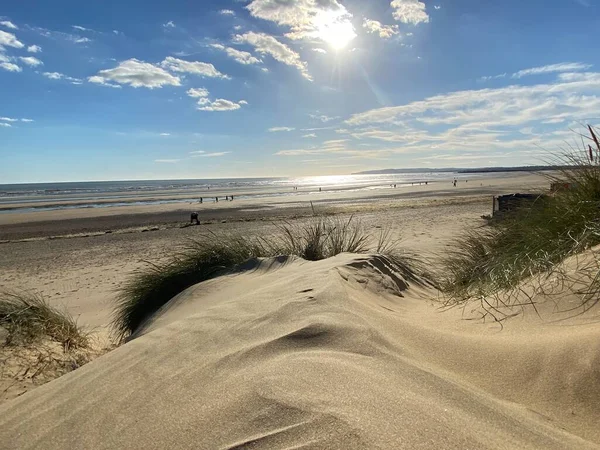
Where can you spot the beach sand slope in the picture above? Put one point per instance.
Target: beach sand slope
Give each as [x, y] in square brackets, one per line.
[340, 353]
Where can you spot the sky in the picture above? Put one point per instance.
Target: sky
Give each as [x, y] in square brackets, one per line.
[150, 89]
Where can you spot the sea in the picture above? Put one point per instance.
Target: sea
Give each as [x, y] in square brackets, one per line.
[101, 194]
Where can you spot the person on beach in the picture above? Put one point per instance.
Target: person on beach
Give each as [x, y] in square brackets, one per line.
[216, 199]
[194, 217]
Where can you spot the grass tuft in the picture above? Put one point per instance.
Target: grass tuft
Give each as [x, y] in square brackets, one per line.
[534, 239]
[28, 318]
[154, 285]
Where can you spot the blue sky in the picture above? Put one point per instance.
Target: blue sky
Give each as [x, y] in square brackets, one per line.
[151, 89]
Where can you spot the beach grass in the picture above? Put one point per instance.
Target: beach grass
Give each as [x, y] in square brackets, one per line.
[29, 318]
[149, 288]
[533, 239]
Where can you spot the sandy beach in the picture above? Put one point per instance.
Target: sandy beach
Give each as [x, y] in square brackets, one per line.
[339, 353]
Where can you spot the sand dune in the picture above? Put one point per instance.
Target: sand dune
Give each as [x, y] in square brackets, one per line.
[340, 353]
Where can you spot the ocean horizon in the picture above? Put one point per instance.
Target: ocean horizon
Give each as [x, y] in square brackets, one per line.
[97, 194]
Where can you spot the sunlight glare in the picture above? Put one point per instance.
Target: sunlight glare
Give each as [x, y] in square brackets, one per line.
[334, 28]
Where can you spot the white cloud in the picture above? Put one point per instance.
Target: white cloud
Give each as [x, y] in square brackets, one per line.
[169, 24]
[483, 120]
[27, 120]
[268, 45]
[194, 67]
[277, 129]
[238, 55]
[165, 134]
[102, 81]
[61, 76]
[31, 61]
[167, 161]
[227, 12]
[319, 50]
[309, 135]
[436, 7]
[219, 104]
[9, 24]
[316, 19]
[213, 155]
[80, 28]
[10, 67]
[10, 119]
[34, 49]
[9, 40]
[197, 152]
[5, 125]
[409, 11]
[553, 68]
[53, 75]
[492, 77]
[197, 92]
[384, 31]
[80, 40]
[322, 117]
[136, 74]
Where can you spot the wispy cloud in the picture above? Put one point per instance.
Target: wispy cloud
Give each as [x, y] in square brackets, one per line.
[62, 76]
[80, 28]
[323, 118]
[31, 61]
[12, 120]
[9, 24]
[169, 24]
[277, 129]
[238, 55]
[200, 68]
[227, 12]
[202, 154]
[268, 45]
[475, 120]
[552, 68]
[167, 161]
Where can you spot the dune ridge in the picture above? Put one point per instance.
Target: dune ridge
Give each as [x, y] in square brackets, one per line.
[339, 353]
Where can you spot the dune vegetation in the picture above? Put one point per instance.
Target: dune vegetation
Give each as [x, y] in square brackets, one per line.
[38, 343]
[29, 318]
[212, 255]
[490, 263]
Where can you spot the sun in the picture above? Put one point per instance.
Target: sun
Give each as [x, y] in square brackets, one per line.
[334, 28]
